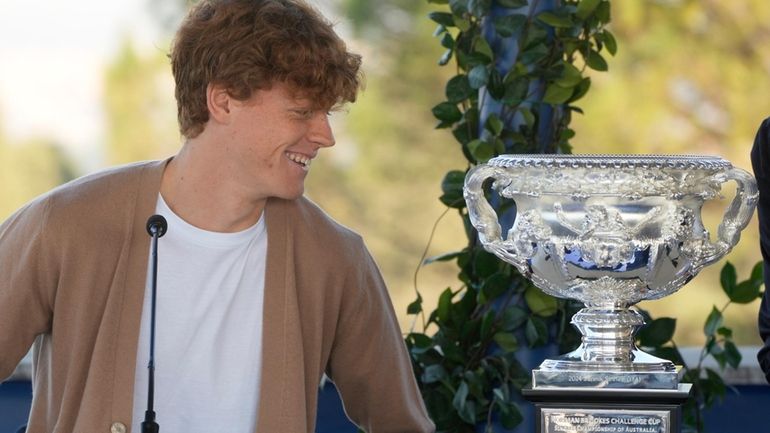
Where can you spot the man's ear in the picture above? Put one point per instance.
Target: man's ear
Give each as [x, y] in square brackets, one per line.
[219, 102]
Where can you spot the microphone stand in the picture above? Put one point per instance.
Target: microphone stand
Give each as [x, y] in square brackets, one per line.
[156, 227]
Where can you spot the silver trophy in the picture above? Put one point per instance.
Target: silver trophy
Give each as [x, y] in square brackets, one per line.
[608, 231]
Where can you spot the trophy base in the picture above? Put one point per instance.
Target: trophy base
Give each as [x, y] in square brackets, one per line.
[590, 410]
[570, 371]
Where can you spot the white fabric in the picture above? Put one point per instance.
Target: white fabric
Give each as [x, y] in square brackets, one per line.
[208, 334]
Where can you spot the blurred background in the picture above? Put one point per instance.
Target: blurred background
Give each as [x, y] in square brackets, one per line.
[86, 84]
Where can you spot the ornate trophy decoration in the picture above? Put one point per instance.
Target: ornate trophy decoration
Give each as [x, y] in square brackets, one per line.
[609, 231]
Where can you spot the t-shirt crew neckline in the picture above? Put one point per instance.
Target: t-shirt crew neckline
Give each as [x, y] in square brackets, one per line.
[208, 238]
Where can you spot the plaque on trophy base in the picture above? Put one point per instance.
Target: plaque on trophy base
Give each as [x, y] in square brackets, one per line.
[597, 410]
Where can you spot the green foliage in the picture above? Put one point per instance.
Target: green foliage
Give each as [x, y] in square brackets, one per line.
[467, 369]
[28, 169]
[708, 386]
[139, 107]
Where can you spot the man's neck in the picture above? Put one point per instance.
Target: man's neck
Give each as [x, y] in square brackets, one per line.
[199, 190]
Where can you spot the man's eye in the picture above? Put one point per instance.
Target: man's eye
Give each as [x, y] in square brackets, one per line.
[305, 114]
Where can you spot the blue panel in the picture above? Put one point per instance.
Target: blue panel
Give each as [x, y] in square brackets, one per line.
[15, 399]
[743, 410]
[331, 416]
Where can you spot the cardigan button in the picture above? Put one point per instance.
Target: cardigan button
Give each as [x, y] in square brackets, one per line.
[117, 427]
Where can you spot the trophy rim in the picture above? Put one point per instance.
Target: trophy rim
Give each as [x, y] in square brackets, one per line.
[612, 161]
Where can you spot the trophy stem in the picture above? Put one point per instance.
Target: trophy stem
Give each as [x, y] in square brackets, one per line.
[608, 334]
[608, 356]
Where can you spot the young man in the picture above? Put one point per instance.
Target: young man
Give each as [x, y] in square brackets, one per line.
[259, 292]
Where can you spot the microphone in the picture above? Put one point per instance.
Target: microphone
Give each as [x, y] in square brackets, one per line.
[157, 223]
[156, 227]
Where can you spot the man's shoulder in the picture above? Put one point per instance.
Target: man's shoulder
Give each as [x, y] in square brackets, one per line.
[102, 196]
[313, 228]
[108, 183]
[307, 215]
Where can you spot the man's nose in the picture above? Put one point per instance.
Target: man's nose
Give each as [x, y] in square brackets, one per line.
[321, 131]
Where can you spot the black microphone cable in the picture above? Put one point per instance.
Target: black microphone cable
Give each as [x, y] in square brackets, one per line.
[156, 227]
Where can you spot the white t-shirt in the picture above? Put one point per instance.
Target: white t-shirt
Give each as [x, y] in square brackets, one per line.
[208, 335]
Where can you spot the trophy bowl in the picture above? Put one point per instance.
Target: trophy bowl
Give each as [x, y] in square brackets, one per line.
[608, 231]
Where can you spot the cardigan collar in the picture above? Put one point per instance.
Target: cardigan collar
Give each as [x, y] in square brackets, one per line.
[274, 352]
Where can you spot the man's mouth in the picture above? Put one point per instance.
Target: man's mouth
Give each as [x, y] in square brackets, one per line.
[298, 158]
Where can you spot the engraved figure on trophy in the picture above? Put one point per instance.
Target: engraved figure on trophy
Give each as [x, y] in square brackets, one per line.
[609, 231]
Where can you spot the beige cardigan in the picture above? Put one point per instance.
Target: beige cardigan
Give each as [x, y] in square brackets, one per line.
[73, 268]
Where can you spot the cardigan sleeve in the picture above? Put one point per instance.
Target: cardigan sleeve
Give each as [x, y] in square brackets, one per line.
[760, 161]
[369, 362]
[26, 283]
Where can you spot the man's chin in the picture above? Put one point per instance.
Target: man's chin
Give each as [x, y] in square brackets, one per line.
[292, 195]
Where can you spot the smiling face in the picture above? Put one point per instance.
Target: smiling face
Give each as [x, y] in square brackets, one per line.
[271, 139]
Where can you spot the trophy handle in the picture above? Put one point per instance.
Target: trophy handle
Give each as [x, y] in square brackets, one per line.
[484, 218]
[738, 214]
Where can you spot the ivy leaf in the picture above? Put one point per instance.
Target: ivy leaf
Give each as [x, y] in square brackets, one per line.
[529, 118]
[586, 7]
[534, 53]
[458, 7]
[444, 18]
[595, 61]
[494, 125]
[757, 274]
[481, 150]
[495, 285]
[715, 385]
[669, 353]
[609, 42]
[478, 76]
[581, 90]
[728, 278]
[466, 409]
[536, 332]
[540, 303]
[482, 47]
[510, 415]
[603, 12]
[744, 293]
[486, 324]
[485, 264]
[447, 41]
[658, 332]
[445, 57]
[479, 8]
[513, 317]
[416, 306]
[458, 88]
[507, 341]
[554, 20]
[421, 340]
[570, 76]
[452, 189]
[725, 332]
[434, 373]
[447, 112]
[713, 322]
[444, 305]
[509, 25]
[462, 23]
[732, 355]
[516, 91]
[444, 257]
[556, 94]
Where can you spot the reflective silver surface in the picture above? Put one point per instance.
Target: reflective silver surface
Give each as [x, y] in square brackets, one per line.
[609, 231]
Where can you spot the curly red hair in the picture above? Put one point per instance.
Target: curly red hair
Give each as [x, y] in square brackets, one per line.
[247, 45]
